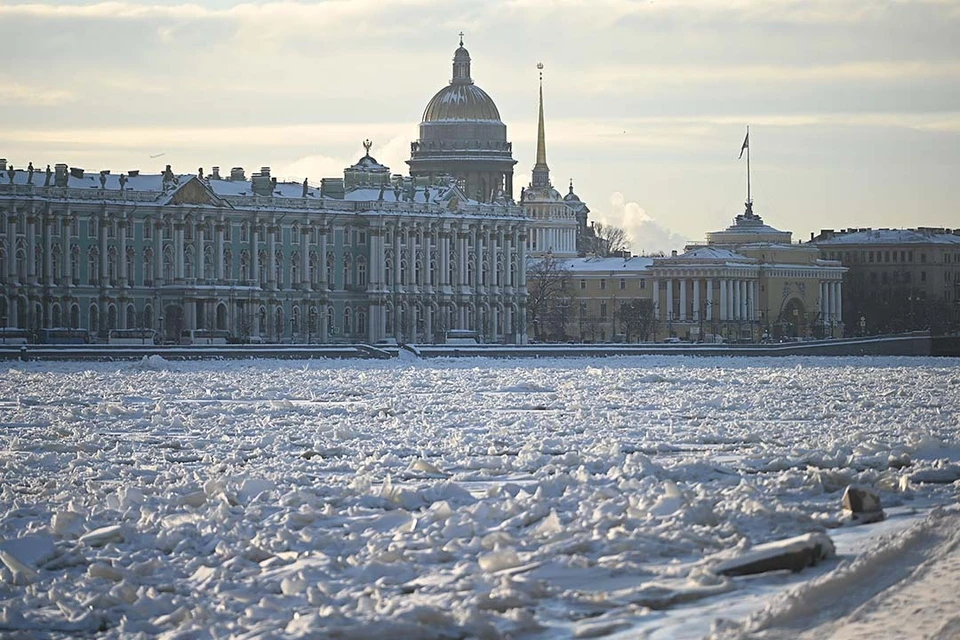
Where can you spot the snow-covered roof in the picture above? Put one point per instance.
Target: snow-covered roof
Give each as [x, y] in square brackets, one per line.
[600, 265]
[711, 254]
[892, 237]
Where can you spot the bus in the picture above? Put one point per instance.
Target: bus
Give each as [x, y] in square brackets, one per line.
[132, 336]
[64, 335]
[205, 337]
[462, 336]
[13, 335]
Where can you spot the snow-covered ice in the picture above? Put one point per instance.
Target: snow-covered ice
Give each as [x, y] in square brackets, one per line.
[470, 497]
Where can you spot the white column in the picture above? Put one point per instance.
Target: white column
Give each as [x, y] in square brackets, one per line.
[825, 302]
[199, 235]
[656, 298]
[158, 275]
[743, 300]
[322, 274]
[710, 311]
[734, 300]
[305, 261]
[254, 264]
[683, 299]
[47, 250]
[669, 315]
[696, 300]
[219, 249]
[31, 248]
[835, 301]
[839, 301]
[723, 300]
[104, 259]
[122, 266]
[12, 274]
[270, 265]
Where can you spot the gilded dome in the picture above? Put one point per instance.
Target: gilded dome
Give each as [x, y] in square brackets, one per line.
[461, 101]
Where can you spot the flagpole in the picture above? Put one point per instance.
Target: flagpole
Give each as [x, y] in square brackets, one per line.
[748, 165]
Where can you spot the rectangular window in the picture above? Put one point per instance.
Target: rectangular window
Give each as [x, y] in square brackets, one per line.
[362, 239]
[923, 276]
[603, 283]
[603, 310]
[623, 284]
[147, 229]
[643, 283]
[871, 256]
[583, 284]
[886, 256]
[923, 258]
[910, 256]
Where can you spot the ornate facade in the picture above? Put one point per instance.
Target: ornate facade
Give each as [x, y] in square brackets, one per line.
[360, 259]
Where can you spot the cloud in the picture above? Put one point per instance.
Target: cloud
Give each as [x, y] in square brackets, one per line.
[22, 94]
[646, 234]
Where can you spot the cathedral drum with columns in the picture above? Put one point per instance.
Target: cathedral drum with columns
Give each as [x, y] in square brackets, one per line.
[462, 136]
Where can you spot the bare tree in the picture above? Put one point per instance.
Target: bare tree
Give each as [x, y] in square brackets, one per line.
[637, 318]
[548, 299]
[611, 240]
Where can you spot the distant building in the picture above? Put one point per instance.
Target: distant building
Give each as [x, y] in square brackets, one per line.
[748, 282]
[897, 279]
[361, 258]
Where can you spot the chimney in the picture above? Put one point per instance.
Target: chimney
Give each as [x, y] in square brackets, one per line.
[60, 175]
[133, 173]
[3, 164]
[105, 172]
[76, 172]
[261, 184]
[265, 171]
[237, 174]
[215, 173]
[674, 253]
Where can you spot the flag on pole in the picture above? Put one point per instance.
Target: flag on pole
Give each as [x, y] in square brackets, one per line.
[746, 144]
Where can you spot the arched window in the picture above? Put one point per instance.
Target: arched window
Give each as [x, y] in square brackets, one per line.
[131, 320]
[168, 273]
[93, 266]
[228, 265]
[131, 266]
[361, 272]
[331, 264]
[347, 272]
[75, 264]
[148, 274]
[294, 268]
[347, 326]
[361, 322]
[278, 268]
[262, 266]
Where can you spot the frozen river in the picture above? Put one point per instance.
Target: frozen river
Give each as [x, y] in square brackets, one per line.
[445, 499]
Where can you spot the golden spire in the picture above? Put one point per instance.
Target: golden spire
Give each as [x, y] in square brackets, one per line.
[541, 172]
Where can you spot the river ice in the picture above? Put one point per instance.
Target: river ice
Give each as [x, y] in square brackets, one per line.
[452, 498]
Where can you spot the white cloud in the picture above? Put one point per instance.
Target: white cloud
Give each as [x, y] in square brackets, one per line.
[646, 234]
[15, 93]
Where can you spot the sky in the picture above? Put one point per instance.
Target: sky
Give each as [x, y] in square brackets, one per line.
[853, 105]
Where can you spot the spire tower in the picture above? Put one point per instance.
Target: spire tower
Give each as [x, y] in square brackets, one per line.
[541, 172]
